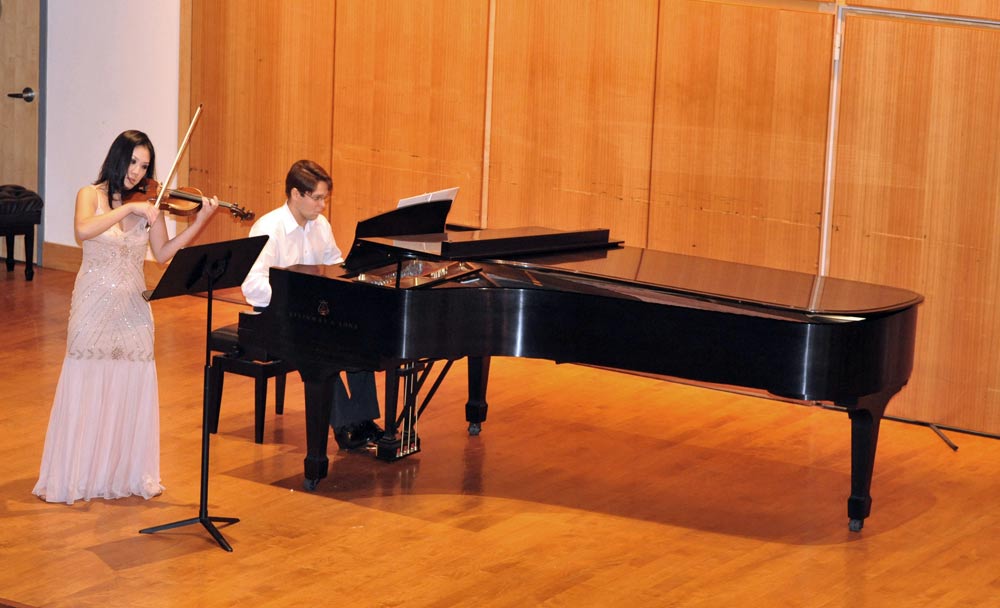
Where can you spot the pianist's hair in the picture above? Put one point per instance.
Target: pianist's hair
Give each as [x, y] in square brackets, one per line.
[116, 163]
[304, 175]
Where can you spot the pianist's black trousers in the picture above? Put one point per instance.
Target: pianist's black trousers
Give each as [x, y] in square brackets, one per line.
[362, 404]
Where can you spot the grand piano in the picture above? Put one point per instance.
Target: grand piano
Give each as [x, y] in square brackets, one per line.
[405, 302]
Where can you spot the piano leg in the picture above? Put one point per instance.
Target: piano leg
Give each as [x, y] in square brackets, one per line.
[216, 380]
[388, 446]
[476, 406]
[319, 400]
[865, 417]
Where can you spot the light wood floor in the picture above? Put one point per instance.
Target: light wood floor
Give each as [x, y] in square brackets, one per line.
[586, 488]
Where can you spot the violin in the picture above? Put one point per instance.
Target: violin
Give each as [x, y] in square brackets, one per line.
[182, 201]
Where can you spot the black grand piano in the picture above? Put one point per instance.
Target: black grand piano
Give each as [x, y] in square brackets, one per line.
[403, 302]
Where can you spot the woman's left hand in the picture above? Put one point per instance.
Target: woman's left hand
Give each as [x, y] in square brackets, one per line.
[208, 207]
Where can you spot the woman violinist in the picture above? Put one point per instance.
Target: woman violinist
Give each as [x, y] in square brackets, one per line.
[103, 438]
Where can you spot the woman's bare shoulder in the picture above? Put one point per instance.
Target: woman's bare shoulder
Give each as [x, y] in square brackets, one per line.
[90, 190]
[89, 197]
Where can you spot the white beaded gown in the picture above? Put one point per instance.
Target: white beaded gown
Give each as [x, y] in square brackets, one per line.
[103, 438]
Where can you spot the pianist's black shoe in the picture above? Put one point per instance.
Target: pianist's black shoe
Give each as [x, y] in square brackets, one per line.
[371, 430]
[358, 435]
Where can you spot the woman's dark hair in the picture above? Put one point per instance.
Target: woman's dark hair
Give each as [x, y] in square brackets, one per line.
[304, 175]
[116, 163]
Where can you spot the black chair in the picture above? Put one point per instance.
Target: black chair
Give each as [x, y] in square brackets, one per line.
[20, 212]
[253, 363]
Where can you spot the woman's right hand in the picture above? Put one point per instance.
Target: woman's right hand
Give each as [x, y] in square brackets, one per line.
[144, 210]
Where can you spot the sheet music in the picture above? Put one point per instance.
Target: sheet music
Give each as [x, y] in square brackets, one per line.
[448, 194]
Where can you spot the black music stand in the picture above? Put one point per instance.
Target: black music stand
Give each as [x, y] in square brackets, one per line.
[204, 268]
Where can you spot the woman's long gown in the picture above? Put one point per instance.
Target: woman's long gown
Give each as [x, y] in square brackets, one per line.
[103, 439]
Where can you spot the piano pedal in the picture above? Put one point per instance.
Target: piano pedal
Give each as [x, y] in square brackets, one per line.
[409, 447]
[396, 449]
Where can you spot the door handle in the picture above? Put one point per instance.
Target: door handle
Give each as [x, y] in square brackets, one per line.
[27, 94]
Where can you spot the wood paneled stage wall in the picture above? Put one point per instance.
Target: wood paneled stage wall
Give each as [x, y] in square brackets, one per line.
[695, 126]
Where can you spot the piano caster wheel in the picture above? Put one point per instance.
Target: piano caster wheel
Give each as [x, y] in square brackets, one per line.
[475, 428]
[856, 525]
[309, 484]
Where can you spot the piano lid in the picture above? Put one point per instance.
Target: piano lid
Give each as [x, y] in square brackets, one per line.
[728, 281]
[590, 253]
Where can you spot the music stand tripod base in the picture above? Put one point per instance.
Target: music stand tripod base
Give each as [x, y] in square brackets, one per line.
[207, 522]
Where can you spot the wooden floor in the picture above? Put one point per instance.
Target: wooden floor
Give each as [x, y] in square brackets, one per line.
[586, 488]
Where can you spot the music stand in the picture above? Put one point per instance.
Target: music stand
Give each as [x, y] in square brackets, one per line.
[205, 268]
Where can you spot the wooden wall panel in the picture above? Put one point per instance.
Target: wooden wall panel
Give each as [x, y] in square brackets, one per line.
[739, 145]
[980, 9]
[696, 126]
[917, 201]
[572, 115]
[409, 105]
[264, 71]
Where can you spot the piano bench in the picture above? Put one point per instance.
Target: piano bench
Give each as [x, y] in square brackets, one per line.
[20, 212]
[253, 363]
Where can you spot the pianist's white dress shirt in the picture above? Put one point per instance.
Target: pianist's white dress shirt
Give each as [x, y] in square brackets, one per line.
[289, 244]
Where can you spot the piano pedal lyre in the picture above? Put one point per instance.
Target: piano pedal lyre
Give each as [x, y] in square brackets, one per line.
[409, 440]
[406, 440]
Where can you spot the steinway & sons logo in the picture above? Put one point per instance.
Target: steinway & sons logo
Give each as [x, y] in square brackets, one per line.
[322, 317]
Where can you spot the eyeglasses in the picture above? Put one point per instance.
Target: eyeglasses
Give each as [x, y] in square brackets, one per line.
[318, 199]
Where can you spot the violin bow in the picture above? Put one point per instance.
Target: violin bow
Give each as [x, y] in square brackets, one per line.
[180, 152]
